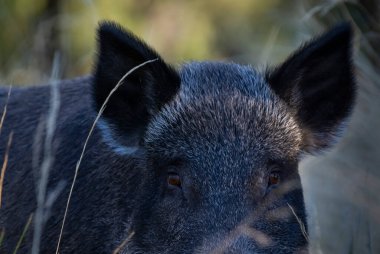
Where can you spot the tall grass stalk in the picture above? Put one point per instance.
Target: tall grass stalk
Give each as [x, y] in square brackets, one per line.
[2, 233]
[5, 162]
[5, 109]
[121, 81]
[48, 157]
[27, 225]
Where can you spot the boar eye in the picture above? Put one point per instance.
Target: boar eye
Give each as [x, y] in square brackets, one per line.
[274, 178]
[174, 180]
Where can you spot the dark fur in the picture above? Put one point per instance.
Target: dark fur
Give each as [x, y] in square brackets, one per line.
[223, 128]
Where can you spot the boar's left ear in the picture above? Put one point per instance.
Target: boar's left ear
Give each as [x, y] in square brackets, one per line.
[318, 85]
[142, 93]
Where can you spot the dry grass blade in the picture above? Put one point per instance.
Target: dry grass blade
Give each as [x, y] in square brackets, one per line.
[244, 229]
[302, 226]
[5, 109]
[48, 157]
[4, 167]
[2, 234]
[87, 139]
[23, 234]
[121, 246]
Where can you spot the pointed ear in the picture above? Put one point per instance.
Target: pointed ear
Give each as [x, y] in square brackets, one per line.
[317, 83]
[142, 93]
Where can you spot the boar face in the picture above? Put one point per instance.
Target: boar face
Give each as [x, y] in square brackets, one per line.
[219, 143]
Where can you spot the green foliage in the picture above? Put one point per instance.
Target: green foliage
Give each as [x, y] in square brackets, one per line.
[179, 30]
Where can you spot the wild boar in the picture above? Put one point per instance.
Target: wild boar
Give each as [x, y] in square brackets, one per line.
[199, 159]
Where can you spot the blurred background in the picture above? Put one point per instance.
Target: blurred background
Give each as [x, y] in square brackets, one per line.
[342, 187]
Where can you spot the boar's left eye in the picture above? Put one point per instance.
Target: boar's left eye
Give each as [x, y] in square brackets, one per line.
[274, 178]
[174, 180]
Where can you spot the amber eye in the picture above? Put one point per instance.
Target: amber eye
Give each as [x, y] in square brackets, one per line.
[174, 180]
[274, 178]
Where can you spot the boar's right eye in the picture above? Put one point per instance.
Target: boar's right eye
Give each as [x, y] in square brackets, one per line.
[174, 180]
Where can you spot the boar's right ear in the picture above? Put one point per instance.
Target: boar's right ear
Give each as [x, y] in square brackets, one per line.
[142, 93]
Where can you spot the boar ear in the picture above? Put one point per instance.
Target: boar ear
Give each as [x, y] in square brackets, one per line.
[141, 94]
[317, 83]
